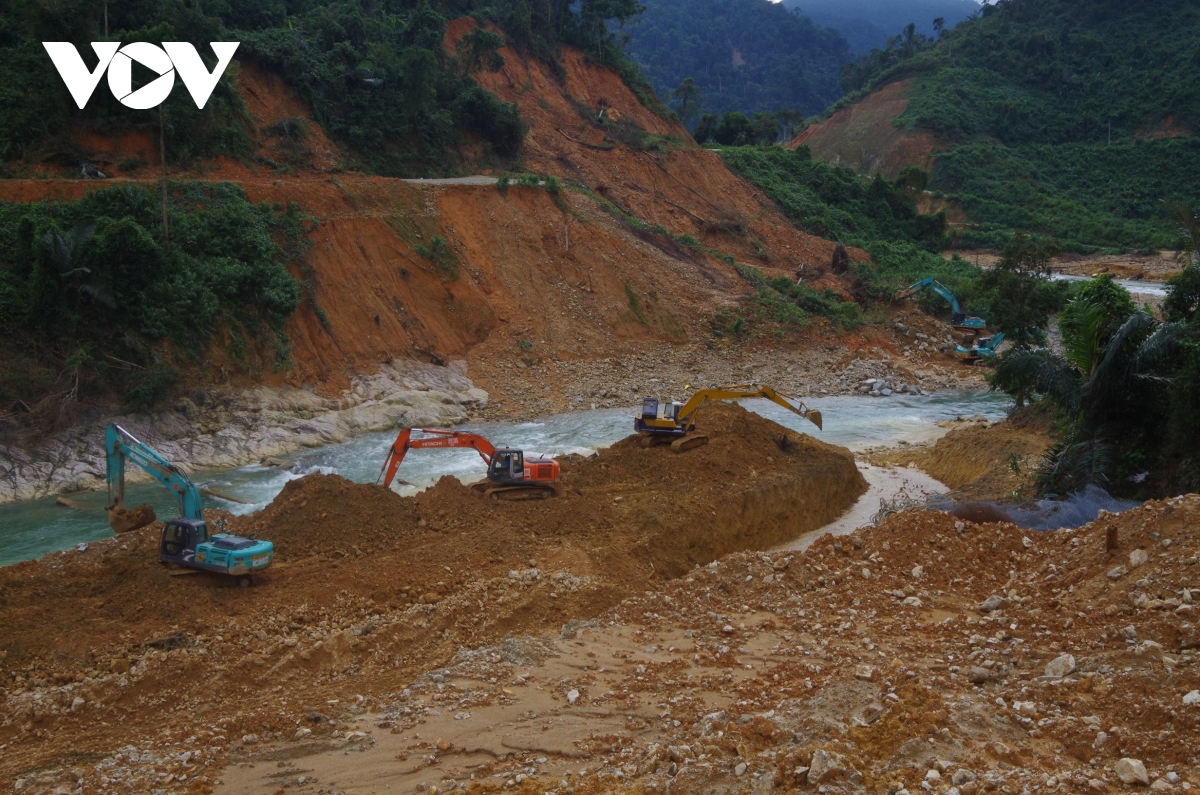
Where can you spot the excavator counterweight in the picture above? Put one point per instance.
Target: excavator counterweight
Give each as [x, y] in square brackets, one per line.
[511, 474]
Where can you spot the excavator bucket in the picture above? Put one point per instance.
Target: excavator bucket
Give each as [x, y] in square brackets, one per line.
[123, 520]
[814, 416]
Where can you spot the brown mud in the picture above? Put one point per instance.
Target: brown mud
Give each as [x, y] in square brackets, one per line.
[370, 589]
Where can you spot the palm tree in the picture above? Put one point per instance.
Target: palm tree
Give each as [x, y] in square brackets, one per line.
[1189, 228]
[1092, 383]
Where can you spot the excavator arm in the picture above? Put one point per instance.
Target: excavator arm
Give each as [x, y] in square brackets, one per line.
[686, 416]
[937, 287]
[120, 445]
[437, 438]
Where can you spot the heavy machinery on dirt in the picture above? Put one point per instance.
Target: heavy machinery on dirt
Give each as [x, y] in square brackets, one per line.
[674, 423]
[185, 541]
[958, 319]
[982, 351]
[511, 475]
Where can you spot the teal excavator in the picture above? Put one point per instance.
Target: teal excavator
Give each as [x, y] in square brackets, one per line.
[958, 318]
[185, 541]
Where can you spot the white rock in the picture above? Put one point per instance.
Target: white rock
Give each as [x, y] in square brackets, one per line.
[1137, 558]
[918, 572]
[1026, 542]
[249, 739]
[1060, 666]
[1117, 572]
[740, 770]
[932, 775]
[572, 696]
[1131, 771]
[912, 601]
[1192, 698]
[866, 573]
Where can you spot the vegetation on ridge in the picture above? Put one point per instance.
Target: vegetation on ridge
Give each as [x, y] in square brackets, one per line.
[1066, 118]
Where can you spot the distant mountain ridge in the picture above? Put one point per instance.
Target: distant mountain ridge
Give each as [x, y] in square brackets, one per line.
[867, 24]
[746, 55]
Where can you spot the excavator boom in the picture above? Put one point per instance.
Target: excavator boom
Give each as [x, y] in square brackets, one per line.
[437, 437]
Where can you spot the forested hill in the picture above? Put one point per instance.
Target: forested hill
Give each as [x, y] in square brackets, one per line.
[868, 24]
[746, 55]
[375, 75]
[1070, 118]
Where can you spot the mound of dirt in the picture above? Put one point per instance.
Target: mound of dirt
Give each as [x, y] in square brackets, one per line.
[978, 460]
[370, 587]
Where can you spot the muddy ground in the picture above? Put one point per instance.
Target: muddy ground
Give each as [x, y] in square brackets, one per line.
[103, 648]
[979, 460]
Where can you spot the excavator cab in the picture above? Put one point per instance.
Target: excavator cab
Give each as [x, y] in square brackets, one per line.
[180, 538]
[507, 467]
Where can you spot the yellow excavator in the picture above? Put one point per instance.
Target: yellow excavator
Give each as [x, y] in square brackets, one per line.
[665, 422]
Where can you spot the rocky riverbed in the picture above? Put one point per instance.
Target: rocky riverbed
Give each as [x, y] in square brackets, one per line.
[219, 430]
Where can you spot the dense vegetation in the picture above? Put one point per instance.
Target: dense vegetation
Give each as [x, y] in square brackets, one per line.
[874, 214]
[95, 302]
[1124, 390]
[1052, 109]
[744, 55]
[868, 24]
[376, 74]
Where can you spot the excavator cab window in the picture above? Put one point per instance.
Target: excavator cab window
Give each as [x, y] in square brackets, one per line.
[176, 538]
[508, 465]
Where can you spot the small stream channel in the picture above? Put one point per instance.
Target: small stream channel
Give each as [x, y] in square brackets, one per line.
[31, 529]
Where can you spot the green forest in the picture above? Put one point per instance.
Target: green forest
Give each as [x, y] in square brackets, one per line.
[868, 24]
[744, 55]
[96, 300]
[376, 75]
[1068, 118]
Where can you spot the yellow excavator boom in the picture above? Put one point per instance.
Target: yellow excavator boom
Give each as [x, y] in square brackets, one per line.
[684, 419]
[743, 392]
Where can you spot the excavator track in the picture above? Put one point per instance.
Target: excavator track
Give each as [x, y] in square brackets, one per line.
[689, 442]
[514, 493]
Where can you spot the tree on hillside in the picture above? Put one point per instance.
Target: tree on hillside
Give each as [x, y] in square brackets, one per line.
[688, 98]
[1102, 386]
[1189, 232]
[479, 49]
[791, 121]
[766, 128]
[1019, 293]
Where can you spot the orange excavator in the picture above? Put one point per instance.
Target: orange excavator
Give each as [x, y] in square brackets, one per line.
[510, 476]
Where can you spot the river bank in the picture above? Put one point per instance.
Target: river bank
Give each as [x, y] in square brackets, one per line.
[29, 529]
[208, 430]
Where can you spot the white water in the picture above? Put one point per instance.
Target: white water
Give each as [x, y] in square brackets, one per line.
[1133, 286]
[31, 529]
